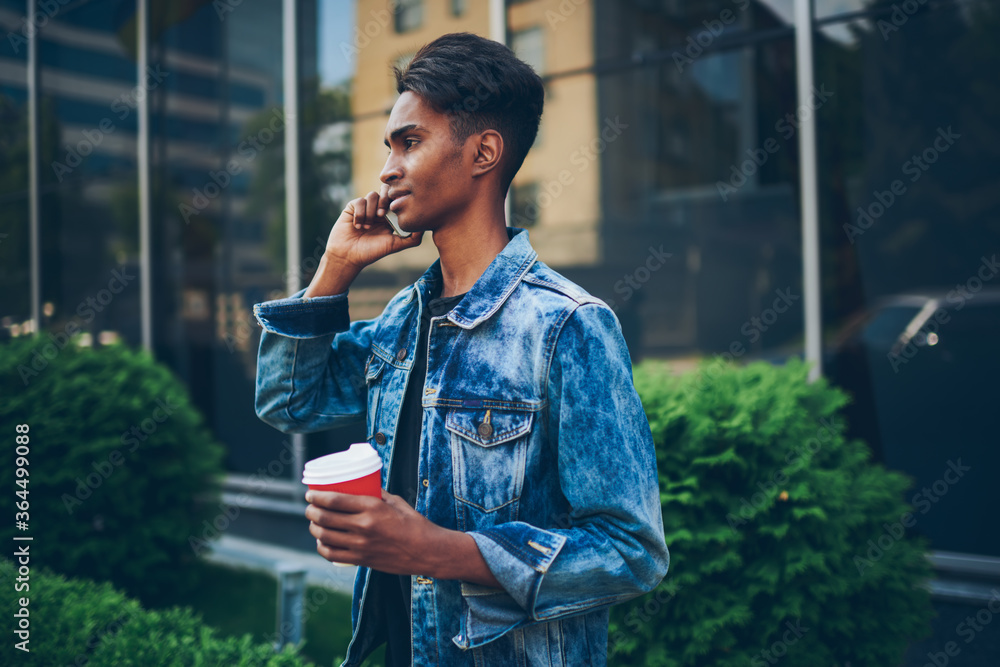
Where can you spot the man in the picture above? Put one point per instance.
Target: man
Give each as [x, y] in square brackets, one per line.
[522, 492]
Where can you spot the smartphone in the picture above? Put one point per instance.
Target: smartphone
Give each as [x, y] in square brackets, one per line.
[394, 222]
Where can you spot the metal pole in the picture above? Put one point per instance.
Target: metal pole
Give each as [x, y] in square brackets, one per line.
[291, 596]
[498, 33]
[291, 110]
[293, 259]
[34, 193]
[498, 21]
[809, 203]
[142, 157]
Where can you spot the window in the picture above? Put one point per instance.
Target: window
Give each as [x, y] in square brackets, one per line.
[529, 46]
[409, 15]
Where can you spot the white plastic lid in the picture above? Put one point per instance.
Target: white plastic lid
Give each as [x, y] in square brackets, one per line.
[358, 461]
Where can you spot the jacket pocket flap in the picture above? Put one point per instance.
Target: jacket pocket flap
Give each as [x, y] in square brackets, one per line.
[373, 368]
[488, 427]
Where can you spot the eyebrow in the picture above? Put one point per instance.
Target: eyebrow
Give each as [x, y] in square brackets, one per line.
[402, 130]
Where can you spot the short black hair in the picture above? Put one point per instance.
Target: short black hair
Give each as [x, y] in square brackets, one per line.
[482, 85]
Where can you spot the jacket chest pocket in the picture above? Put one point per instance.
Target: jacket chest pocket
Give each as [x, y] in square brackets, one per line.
[488, 449]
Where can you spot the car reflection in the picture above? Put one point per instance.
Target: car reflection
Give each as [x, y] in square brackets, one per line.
[924, 373]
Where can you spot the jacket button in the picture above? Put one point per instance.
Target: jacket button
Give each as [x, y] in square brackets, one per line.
[485, 430]
[380, 438]
[401, 354]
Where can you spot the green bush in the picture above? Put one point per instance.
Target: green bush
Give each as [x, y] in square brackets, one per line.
[121, 467]
[67, 617]
[768, 513]
[179, 637]
[80, 622]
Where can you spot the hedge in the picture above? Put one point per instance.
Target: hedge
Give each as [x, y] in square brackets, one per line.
[770, 516]
[121, 468]
[75, 622]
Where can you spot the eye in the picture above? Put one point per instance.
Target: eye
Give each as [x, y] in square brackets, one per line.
[409, 142]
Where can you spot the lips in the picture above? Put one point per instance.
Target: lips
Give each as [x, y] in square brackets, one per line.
[396, 198]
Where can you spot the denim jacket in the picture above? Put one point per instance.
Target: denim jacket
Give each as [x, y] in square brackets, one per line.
[533, 441]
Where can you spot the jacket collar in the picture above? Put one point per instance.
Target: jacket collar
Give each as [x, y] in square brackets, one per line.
[492, 288]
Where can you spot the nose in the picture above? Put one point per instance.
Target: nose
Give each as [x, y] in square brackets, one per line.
[391, 171]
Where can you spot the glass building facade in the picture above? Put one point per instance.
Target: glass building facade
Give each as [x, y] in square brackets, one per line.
[668, 179]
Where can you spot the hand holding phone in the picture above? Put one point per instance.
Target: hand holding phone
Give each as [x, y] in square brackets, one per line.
[394, 222]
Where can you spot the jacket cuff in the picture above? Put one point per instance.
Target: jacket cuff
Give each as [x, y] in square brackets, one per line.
[299, 317]
[518, 555]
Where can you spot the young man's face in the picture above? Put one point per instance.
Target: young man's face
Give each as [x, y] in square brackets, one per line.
[429, 175]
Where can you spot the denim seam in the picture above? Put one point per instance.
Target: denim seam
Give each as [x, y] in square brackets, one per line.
[497, 439]
[550, 346]
[291, 380]
[518, 406]
[554, 612]
[555, 287]
[480, 507]
[515, 280]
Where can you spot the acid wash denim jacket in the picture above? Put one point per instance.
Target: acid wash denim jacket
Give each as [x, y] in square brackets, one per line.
[533, 441]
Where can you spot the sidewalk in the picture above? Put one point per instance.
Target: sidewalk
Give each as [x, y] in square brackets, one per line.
[240, 552]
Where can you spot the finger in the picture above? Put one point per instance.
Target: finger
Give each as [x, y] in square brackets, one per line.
[352, 211]
[335, 555]
[335, 539]
[359, 212]
[339, 502]
[329, 519]
[402, 243]
[371, 209]
[383, 199]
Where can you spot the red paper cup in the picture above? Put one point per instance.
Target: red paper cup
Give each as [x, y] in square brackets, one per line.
[357, 470]
[369, 485]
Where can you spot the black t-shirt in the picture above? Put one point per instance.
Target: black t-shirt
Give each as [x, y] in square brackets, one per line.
[395, 589]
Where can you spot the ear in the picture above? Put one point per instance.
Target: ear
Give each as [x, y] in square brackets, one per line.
[489, 152]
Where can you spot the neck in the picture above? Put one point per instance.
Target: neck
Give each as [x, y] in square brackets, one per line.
[468, 246]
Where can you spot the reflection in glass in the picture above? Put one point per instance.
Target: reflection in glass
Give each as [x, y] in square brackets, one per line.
[910, 218]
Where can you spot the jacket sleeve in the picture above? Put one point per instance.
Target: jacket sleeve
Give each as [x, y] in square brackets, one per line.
[311, 363]
[613, 548]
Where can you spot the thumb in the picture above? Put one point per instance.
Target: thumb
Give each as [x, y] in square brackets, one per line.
[410, 241]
